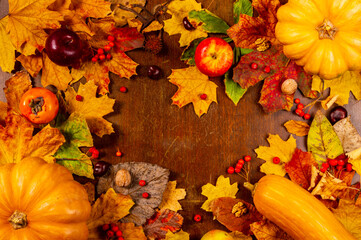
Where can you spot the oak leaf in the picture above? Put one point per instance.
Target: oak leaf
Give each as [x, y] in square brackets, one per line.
[162, 222]
[171, 196]
[7, 56]
[27, 21]
[299, 169]
[223, 188]
[342, 86]
[181, 235]
[249, 29]
[322, 140]
[222, 209]
[278, 148]
[266, 230]
[33, 63]
[108, 208]
[56, 75]
[349, 215]
[91, 8]
[91, 108]
[179, 9]
[191, 85]
[272, 99]
[298, 128]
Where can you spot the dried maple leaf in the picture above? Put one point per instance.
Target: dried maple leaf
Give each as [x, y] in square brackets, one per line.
[249, 29]
[272, 99]
[299, 128]
[108, 208]
[348, 135]
[91, 108]
[91, 8]
[240, 236]
[54, 74]
[162, 222]
[171, 196]
[223, 188]
[266, 230]
[121, 15]
[90, 189]
[322, 140]
[7, 56]
[332, 188]
[77, 134]
[3, 112]
[181, 235]
[27, 21]
[349, 215]
[156, 178]
[191, 85]
[222, 211]
[299, 169]
[33, 63]
[278, 148]
[179, 9]
[341, 86]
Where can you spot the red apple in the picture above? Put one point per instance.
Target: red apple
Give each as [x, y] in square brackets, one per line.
[64, 47]
[213, 56]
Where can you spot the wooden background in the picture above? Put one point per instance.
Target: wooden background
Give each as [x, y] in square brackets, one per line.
[196, 150]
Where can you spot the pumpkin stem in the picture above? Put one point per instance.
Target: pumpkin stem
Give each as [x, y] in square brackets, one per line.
[326, 30]
[18, 220]
[249, 186]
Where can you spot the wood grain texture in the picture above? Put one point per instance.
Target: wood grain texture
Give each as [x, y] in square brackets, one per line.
[196, 150]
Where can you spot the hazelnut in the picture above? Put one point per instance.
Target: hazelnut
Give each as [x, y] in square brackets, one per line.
[289, 86]
[123, 178]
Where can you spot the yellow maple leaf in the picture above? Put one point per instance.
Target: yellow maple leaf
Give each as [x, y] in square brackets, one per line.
[179, 9]
[191, 85]
[342, 86]
[223, 188]
[27, 21]
[33, 63]
[131, 232]
[181, 235]
[278, 148]
[54, 74]
[7, 56]
[171, 196]
[3, 112]
[91, 8]
[76, 22]
[349, 215]
[102, 28]
[299, 128]
[121, 16]
[91, 108]
[108, 208]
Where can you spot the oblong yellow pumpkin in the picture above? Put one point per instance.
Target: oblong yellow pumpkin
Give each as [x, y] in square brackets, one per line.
[39, 200]
[323, 36]
[296, 211]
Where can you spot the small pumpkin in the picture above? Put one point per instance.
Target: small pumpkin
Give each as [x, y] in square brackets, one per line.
[323, 36]
[41, 201]
[296, 211]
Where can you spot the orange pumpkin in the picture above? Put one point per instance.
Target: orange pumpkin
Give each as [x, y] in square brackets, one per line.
[41, 201]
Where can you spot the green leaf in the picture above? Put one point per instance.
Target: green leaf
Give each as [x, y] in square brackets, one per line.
[233, 90]
[209, 22]
[77, 134]
[188, 53]
[322, 140]
[242, 7]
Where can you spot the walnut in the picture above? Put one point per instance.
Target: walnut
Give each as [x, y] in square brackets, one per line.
[262, 44]
[239, 209]
[289, 86]
[123, 178]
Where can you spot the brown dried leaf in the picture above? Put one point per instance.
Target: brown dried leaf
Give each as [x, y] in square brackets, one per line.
[300, 168]
[162, 222]
[90, 189]
[222, 211]
[156, 178]
[266, 230]
[240, 236]
[299, 128]
[347, 133]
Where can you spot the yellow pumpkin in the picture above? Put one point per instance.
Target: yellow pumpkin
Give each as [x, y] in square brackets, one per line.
[323, 36]
[41, 201]
[296, 211]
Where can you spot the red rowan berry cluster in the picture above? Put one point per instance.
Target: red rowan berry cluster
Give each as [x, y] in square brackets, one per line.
[300, 110]
[240, 169]
[103, 54]
[337, 165]
[112, 231]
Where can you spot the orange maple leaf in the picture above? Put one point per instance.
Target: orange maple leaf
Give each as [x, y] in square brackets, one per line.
[193, 87]
[249, 29]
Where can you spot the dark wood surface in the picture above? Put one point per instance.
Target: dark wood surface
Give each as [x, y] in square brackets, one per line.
[196, 150]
